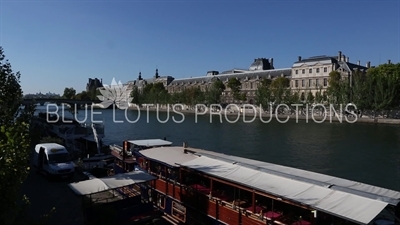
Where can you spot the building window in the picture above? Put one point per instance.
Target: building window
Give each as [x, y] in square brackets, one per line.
[251, 85]
[309, 83]
[303, 71]
[325, 82]
[317, 70]
[297, 71]
[302, 83]
[178, 211]
[296, 83]
[316, 82]
[309, 70]
[325, 69]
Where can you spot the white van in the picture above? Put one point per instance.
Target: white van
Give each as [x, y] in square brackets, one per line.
[53, 160]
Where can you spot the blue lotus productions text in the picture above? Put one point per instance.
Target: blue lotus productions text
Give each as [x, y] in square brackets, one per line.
[232, 113]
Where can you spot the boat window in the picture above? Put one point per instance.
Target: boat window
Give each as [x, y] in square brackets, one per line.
[160, 200]
[58, 158]
[179, 211]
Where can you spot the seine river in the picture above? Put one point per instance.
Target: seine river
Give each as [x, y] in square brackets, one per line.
[368, 153]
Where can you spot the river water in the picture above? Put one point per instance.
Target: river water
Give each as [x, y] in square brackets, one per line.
[368, 153]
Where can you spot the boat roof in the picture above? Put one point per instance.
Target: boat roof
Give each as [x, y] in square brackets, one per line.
[150, 142]
[351, 200]
[97, 185]
[51, 145]
[173, 156]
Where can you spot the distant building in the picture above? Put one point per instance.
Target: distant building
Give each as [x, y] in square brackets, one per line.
[94, 84]
[312, 74]
[140, 83]
[306, 75]
[250, 79]
[41, 95]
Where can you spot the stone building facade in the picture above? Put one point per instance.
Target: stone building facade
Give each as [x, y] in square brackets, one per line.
[306, 75]
[312, 74]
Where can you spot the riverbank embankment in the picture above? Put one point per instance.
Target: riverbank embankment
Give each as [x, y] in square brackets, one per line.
[267, 117]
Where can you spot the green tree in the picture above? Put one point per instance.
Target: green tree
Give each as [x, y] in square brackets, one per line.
[83, 96]
[69, 93]
[93, 93]
[263, 93]
[15, 141]
[339, 89]
[361, 91]
[213, 94]
[135, 94]
[152, 93]
[293, 96]
[385, 81]
[310, 97]
[319, 98]
[279, 87]
[234, 84]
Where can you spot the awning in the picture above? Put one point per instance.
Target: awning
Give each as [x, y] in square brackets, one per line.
[172, 156]
[108, 183]
[151, 142]
[353, 187]
[342, 204]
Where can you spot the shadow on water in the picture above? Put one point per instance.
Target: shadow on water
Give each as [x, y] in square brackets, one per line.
[367, 153]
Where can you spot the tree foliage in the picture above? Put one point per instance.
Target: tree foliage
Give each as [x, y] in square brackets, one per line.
[339, 89]
[213, 94]
[235, 86]
[263, 93]
[15, 140]
[378, 89]
[279, 87]
[154, 93]
[69, 93]
[83, 96]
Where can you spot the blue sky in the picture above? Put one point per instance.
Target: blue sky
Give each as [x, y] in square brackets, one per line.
[58, 44]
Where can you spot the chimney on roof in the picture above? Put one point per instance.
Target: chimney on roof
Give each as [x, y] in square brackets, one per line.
[299, 58]
[101, 80]
[389, 62]
[255, 60]
[358, 62]
[347, 59]
[343, 59]
[368, 64]
[271, 62]
[339, 56]
[185, 145]
[140, 76]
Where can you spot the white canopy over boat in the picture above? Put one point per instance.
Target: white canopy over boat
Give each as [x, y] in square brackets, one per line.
[151, 142]
[351, 200]
[96, 185]
[346, 205]
[172, 156]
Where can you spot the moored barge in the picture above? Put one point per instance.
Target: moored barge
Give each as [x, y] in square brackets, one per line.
[195, 186]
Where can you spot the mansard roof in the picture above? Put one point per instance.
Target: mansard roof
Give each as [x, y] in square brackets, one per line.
[251, 75]
[323, 59]
[352, 66]
[235, 70]
[261, 64]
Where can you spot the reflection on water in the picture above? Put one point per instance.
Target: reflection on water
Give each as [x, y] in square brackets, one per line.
[364, 152]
